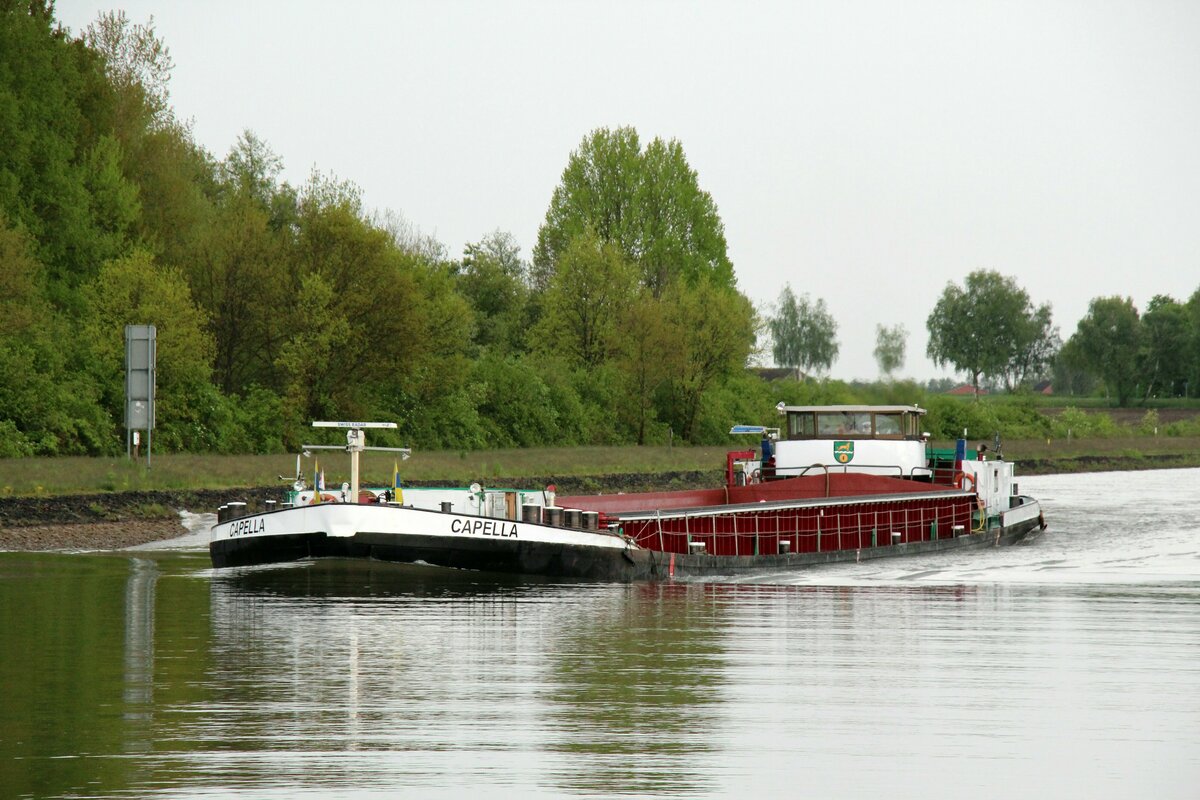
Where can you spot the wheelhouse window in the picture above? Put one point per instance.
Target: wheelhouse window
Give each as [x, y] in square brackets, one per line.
[843, 423]
[835, 424]
[801, 425]
[888, 425]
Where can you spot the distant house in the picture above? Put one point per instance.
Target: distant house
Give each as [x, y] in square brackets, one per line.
[965, 390]
[1043, 387]
[778, 373]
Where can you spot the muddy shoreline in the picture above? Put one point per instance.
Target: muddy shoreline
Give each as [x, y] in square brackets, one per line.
[116, 520]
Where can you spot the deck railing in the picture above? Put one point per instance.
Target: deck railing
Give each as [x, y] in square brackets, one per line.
[805, 530]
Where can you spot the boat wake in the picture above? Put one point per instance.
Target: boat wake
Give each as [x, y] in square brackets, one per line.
[196, 537]
[1089, 541]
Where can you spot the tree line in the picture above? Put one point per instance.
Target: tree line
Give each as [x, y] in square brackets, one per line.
[990, 330]
[277, 304]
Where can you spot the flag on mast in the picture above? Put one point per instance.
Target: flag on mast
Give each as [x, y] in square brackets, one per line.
[318, 483]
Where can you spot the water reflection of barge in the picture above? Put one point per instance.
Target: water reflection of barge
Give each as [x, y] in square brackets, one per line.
[843, 483]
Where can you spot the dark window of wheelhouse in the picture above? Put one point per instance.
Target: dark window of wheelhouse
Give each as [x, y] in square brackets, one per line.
[801, 425]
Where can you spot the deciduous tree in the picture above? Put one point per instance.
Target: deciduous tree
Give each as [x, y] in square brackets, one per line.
[1166, 342]
[584, 301]
[646, 350]
[495, 281]
[714, 327]
[890, 343]
[1108, 340]
[804, 332]
[989, 327]
[647, 203]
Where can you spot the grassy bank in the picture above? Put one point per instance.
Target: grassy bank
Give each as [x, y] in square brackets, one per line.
[56, 476]
[50, 476]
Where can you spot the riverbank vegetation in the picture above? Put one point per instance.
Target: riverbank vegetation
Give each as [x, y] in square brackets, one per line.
[276, 304]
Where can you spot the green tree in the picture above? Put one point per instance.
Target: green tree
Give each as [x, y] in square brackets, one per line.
[138, 65]
[252, 169]
[1191, 387]
[177, 182]
[409, 327]
[804, 333]
[584, 300]
[53, 156]
[1070, 372]
[494, 279]
[1108, 341]
[135, 290]
[643, 359]
[714, 334]
[989, 327]
[648, 204]
[236, 277]
[1166, 342]
[313, 359]
[48, 404]
[890, 343]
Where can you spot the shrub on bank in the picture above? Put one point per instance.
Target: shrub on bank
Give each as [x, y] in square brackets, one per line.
[1073, 423]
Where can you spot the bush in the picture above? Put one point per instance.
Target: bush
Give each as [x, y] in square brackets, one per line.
[13, 443]
[1183, 427]
[1080, 424]
[1149, 423]
[258, 419]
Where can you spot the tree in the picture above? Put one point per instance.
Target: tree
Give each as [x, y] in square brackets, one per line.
[583, 302]
[713, 332]
[989, 327]
[648, 204]
[1108, 341]
[889, 348]
[1037, 345]
[53, 157]
[252, 169]
[643, 358]
[1191, 386]
[136, 290]
[494, 279]
[138, 65]
[804, 333]
[1166, 341]
[1069, 370]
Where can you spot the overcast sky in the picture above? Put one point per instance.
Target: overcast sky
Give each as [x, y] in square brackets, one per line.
[866, 153]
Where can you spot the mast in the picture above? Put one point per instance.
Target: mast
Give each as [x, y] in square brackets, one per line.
[355, 444]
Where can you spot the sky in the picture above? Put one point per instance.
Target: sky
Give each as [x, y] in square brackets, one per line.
[866, 153]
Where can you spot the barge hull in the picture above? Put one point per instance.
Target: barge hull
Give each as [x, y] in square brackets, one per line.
[571, 561]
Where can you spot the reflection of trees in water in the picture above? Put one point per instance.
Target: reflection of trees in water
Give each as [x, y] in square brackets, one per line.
[86, 668]
[600, 687]
[632, 693]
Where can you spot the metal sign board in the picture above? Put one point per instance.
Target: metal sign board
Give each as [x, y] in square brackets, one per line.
[140, 351]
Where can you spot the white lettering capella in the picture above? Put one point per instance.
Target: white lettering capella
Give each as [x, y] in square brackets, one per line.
[484, 527]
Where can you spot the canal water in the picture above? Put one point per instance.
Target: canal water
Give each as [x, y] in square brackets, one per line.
[1068, 667]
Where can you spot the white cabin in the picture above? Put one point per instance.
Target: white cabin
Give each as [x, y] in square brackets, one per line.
[878, 440]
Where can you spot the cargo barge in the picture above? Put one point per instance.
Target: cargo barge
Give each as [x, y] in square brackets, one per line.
[835, 483]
